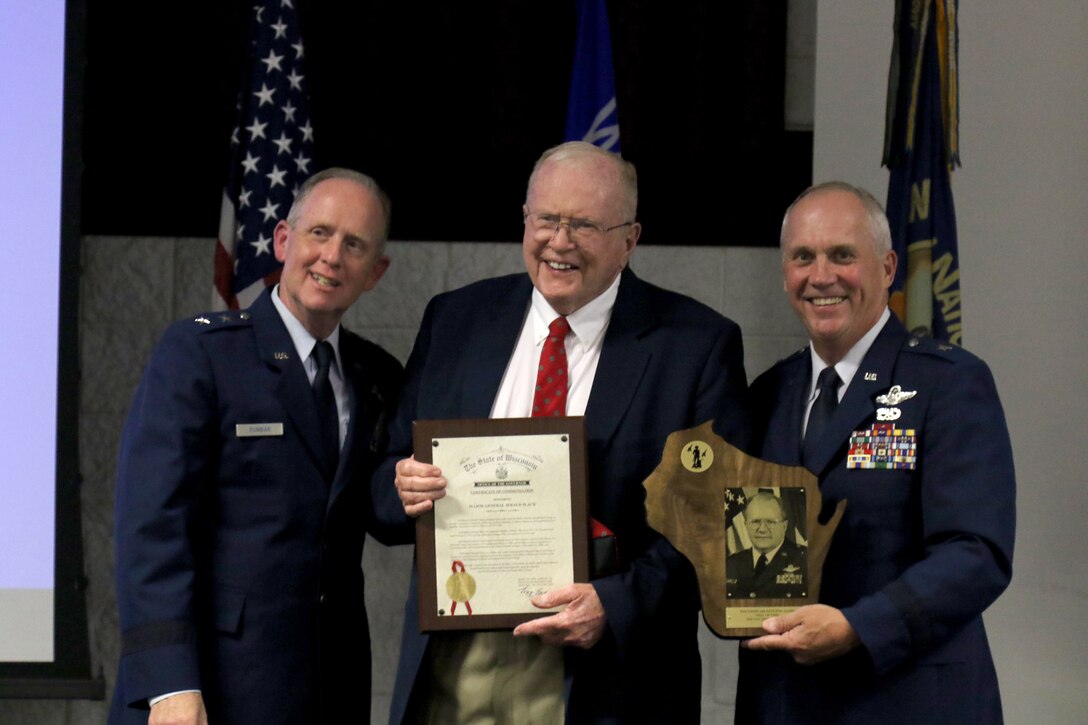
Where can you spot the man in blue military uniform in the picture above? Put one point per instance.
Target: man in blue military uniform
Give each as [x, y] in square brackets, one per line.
[911, 433]
[242, 503]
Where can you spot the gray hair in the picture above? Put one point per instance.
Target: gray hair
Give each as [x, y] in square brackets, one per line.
[625, 170]
[337, 172]
[874, 212]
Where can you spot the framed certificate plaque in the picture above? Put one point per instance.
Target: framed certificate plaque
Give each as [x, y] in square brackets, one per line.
[514, 522]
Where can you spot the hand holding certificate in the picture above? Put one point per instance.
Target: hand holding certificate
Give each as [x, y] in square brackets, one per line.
[511, 526]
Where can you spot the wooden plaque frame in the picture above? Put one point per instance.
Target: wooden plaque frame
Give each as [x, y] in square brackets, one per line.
[429, 433]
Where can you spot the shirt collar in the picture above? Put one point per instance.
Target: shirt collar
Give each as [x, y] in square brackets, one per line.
[587, 323]
[770, 554]
[300, 336]
[848, 366]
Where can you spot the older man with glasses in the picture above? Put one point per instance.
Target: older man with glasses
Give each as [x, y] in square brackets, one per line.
[641, 362]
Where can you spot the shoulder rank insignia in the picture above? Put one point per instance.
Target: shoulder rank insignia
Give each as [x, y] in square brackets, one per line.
[202, 321]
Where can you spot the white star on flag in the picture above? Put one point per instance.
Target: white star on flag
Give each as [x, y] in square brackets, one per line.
[275, 177]
[269, 210]
[283, 143]
[256, 129]
[261, 245]
[265, 94]
[272, 62]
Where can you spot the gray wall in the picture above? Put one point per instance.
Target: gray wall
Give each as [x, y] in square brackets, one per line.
[1022, 221]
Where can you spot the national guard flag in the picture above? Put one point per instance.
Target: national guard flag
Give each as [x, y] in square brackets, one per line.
[271, 153]
[921, 146]
[591, 109]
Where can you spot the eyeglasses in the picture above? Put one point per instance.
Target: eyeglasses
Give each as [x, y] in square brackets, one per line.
[546, 226]
[760, 523]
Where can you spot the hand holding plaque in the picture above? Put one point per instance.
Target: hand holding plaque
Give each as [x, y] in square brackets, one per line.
[749, 527]
[419, 485]
[510, 525]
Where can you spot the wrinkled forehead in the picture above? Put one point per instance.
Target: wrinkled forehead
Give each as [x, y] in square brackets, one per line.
[826, 215]
[592, 183]
[345, 205]
[762, 508]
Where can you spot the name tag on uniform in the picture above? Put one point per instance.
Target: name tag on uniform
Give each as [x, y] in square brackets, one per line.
[258, 430]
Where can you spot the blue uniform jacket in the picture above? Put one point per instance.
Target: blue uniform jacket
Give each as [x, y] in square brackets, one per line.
[920, 552]
[784, 576]
[238, 558]
[667, 363]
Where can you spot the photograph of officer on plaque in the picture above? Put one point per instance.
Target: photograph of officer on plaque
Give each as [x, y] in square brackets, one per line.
[766, 543]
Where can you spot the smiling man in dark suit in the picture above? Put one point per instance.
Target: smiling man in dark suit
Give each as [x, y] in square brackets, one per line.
[642, 362]
[239, 519]
[911, 433]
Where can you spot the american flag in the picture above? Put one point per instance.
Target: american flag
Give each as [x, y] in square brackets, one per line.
[271, 154]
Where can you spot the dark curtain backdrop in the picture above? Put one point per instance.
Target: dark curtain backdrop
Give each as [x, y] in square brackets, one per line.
[448, 105]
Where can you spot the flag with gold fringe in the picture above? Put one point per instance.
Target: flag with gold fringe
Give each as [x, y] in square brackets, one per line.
[591, 107]
[921, 147]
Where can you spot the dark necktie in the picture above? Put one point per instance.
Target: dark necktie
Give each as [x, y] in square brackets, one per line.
[326, 406]
[822, 409]
[550, 398]
[761, 564]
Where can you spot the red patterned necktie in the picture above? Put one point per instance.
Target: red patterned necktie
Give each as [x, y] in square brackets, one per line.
[550, 398]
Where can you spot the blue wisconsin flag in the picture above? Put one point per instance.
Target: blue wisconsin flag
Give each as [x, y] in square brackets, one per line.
[921, 146]
[591, 109]
[271, 154]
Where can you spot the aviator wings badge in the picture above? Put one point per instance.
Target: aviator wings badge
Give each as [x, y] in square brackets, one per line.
[892, 398]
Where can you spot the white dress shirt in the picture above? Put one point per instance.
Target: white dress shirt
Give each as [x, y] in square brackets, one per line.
[583, 345]
[304, 346]
[845, 368]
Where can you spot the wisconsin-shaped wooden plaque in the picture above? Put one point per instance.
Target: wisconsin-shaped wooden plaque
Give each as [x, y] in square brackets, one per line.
[725, 510]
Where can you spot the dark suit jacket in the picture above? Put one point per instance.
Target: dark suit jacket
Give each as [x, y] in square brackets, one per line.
[667, 363]
[784, 576]
[919, 553]
[238, 558]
